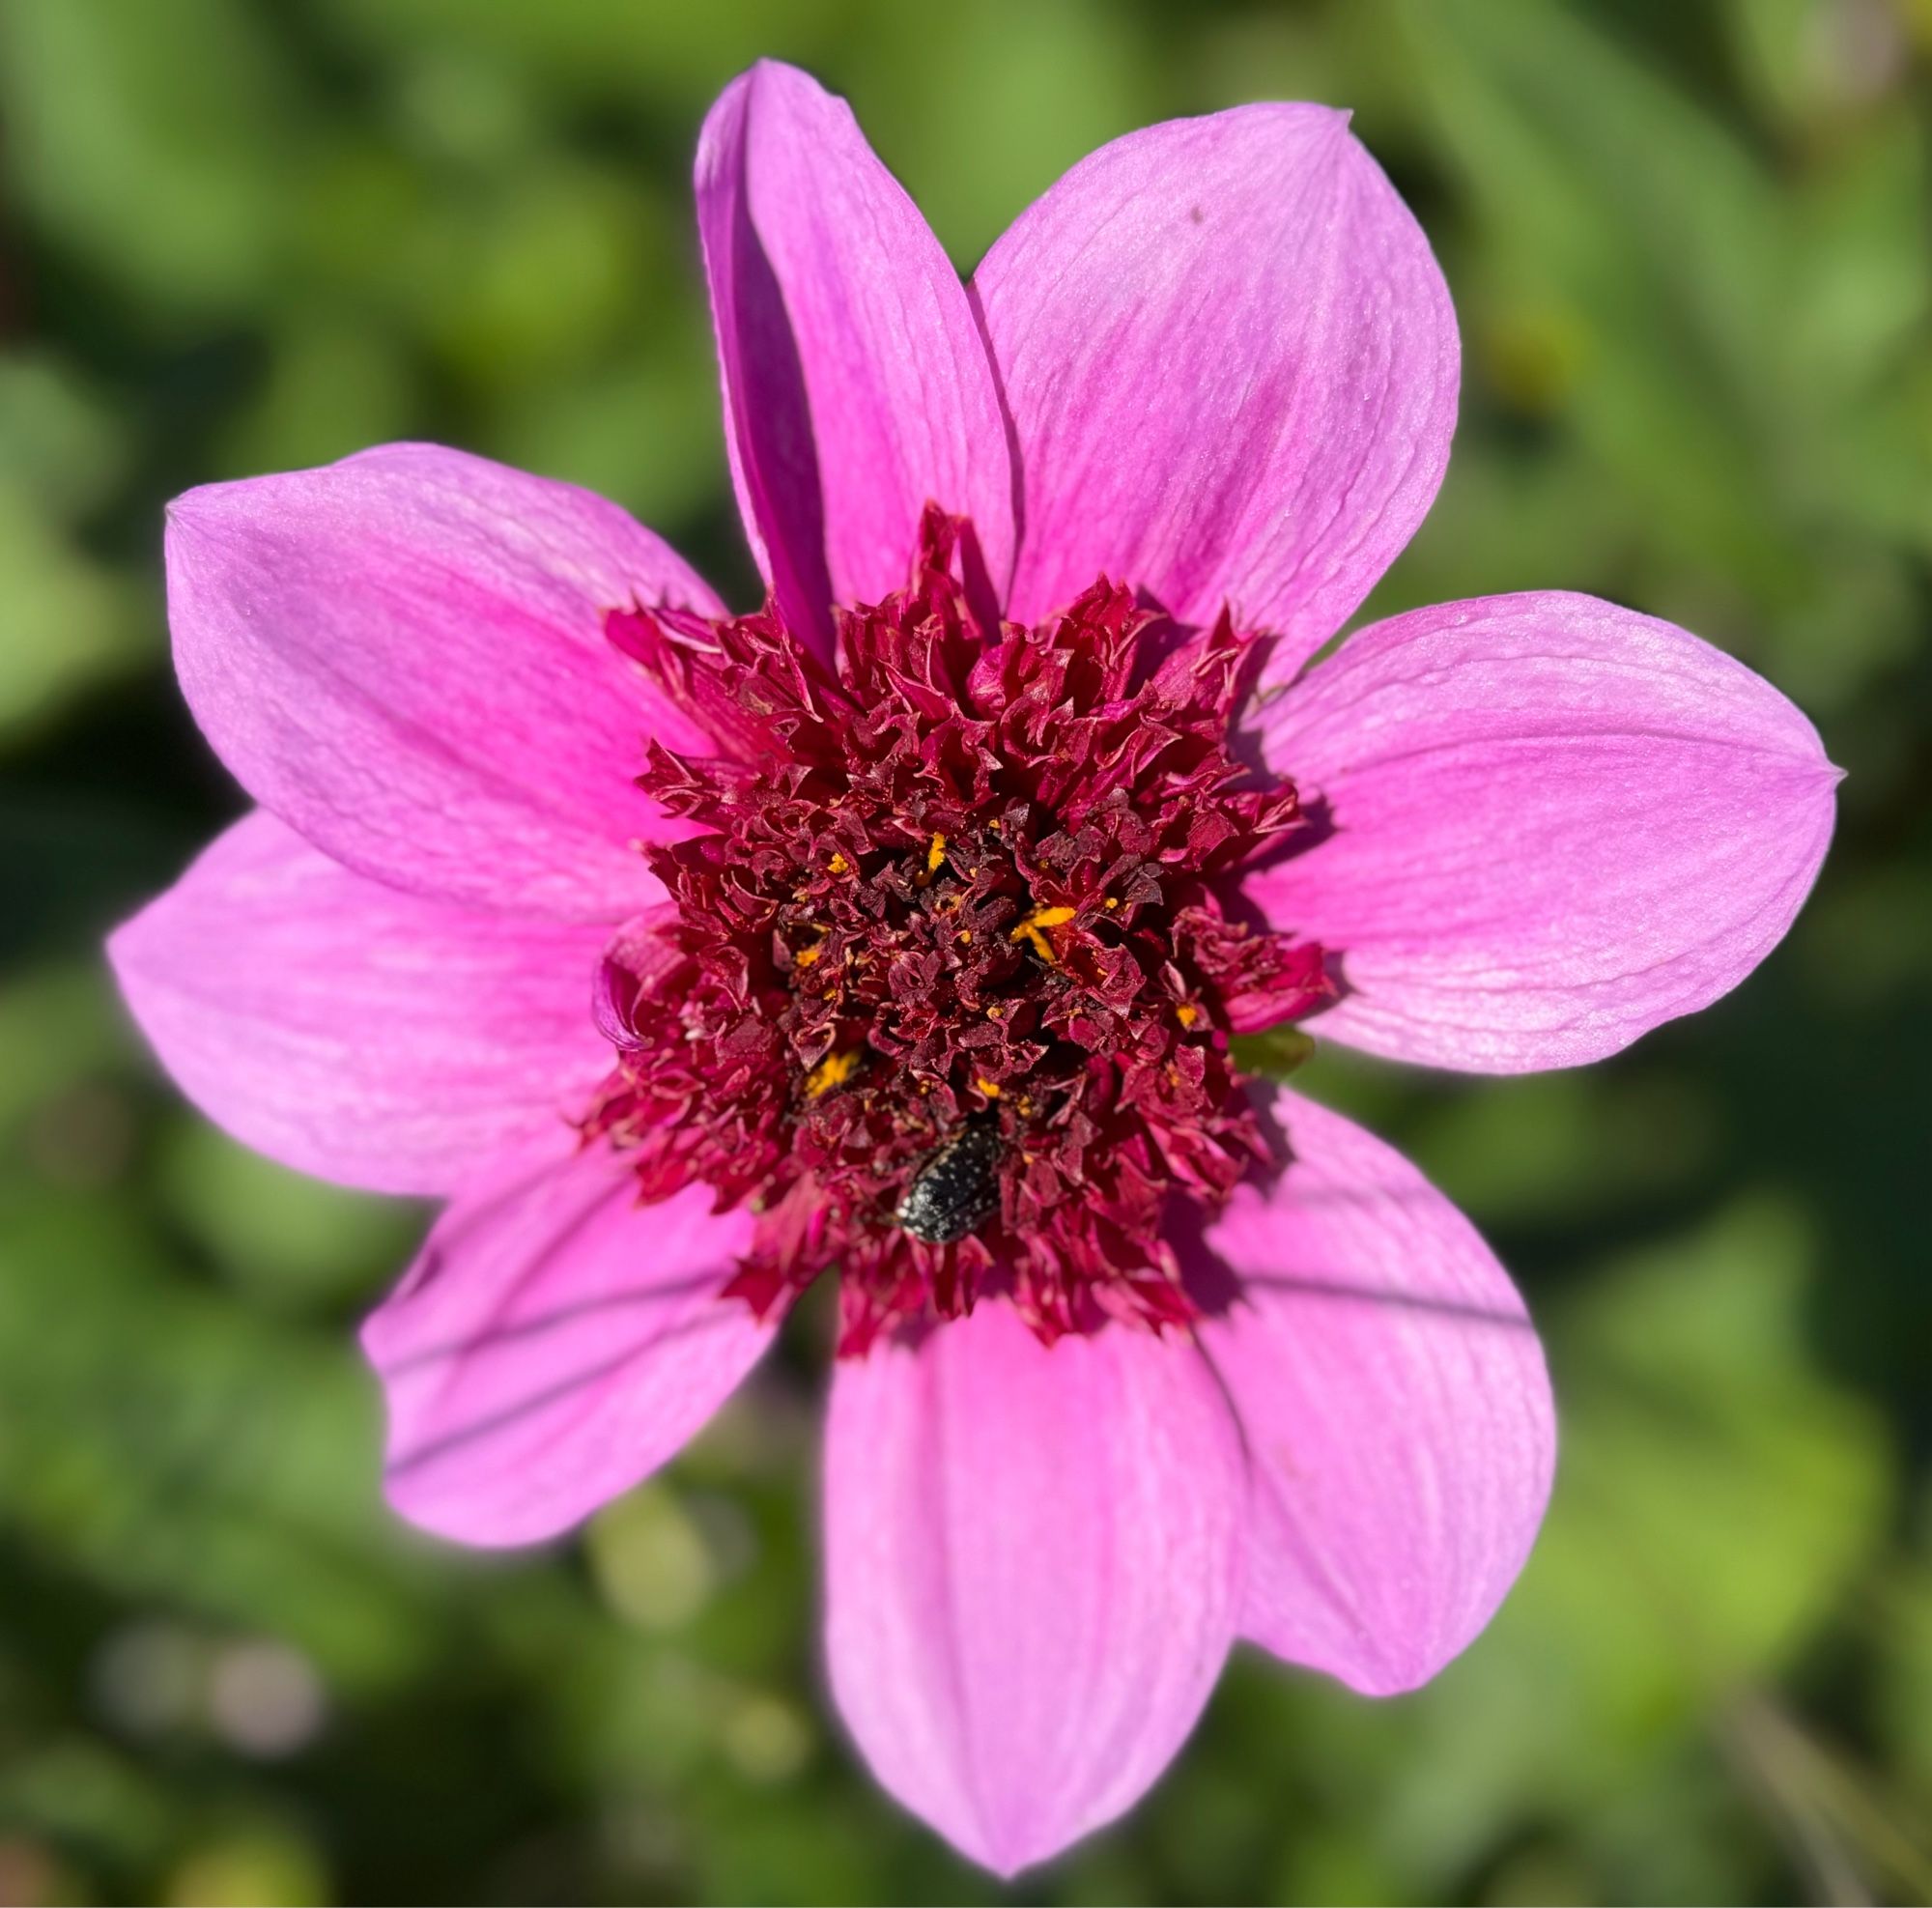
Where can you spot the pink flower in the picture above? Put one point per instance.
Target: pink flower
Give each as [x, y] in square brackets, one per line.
[691, 957]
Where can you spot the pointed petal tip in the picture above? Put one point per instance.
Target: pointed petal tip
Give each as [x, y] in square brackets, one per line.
[856, 382]
[435, 1517]
[1559, 824]
[329, 1023]
[340, 636]
[189, 513]
[1396, 1407]
[121, 945]
[769, 70]
[1108, 306]
[1339, 120]
[1098, 1485]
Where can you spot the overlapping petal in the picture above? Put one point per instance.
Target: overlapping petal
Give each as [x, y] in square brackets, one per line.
[1034, 1571]
[1556, 823]
[353, 1031]
[1231, 363]
[555, 1344]
[402, 655]
[856, 385]
[1392, 1393]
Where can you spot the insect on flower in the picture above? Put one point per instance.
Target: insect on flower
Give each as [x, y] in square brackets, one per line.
[918, 910]
[955, 1190]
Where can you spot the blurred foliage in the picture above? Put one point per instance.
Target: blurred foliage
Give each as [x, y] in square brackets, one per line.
[1690, 249]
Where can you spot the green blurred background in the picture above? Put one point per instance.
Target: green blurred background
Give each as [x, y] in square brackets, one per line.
[1690, 249]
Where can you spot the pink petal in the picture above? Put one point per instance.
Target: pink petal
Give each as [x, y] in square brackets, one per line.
[1232, 364]
[403, 656]
[1395, 1405]
[1557, 824]
[555, 1344]
[1034, 1571]
[353, 1031]
[856, 385]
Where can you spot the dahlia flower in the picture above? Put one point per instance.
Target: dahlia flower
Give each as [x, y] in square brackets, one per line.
[899, 930]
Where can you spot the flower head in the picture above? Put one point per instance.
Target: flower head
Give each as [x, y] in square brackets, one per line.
[898, 931]
[943, 989]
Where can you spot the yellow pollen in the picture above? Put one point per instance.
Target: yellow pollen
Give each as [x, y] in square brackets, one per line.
[964, 934]
[837, 865]
[935, 854]
[1045, 916]
[990, 1088]
[1029, 929]
[808, 956]
[1113, 901]
[996, 1013]
[834, 1070]
[1187, 1013]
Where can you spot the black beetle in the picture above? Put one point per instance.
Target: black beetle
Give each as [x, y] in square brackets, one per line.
[957, 1190]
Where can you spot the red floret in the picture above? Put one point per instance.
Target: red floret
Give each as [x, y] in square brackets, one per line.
[981, 874]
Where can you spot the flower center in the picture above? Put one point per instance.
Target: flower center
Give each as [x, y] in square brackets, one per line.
[944, 992]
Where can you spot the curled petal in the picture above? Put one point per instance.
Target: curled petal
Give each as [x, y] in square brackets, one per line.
[351, 1031]
[1555, 824]
[856, 385]
[1395, 1405]
[1033, 1571]
[554, 1345]
[1231, 363]
[403, 656]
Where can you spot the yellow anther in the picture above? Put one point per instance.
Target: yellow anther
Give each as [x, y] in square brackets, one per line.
[808, 956]
[935, 854]
[1112, 902]
[1045, 916]
[990, 1088]
[834, 1070]
[964, 934]
[1029, 929]
[996, 1013]
[1187, 1013]
[838, 865]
